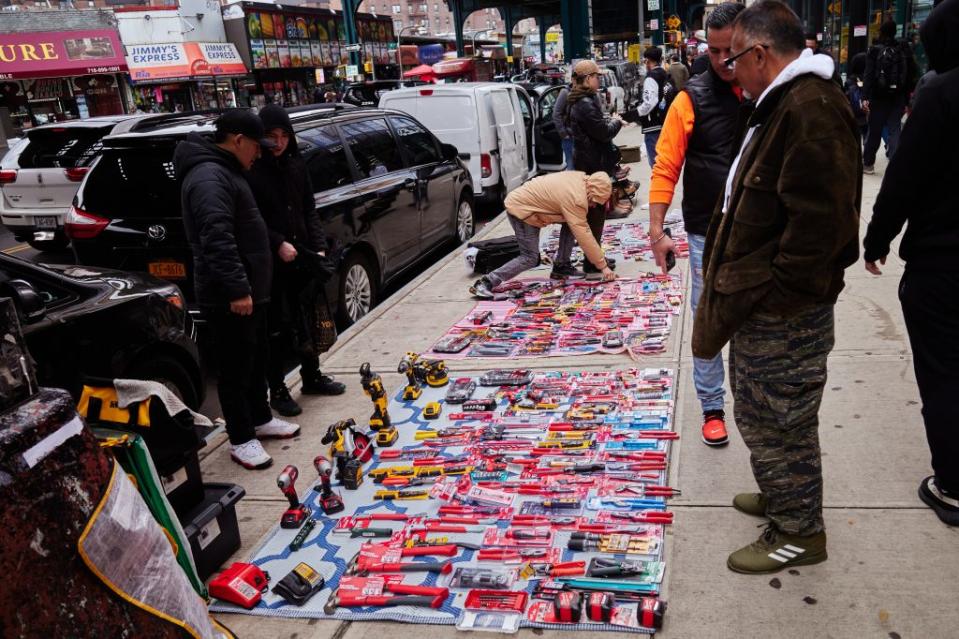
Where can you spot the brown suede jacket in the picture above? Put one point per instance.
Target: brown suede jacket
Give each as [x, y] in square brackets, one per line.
[792, 224]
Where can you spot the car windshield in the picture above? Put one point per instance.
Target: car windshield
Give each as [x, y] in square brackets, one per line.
[61, 147]
[133, 183]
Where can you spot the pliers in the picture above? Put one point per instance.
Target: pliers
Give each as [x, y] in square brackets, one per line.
[602, 567]
[649, 490]
[645, 517]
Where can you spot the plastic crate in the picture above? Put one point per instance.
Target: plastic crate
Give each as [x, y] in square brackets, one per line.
[182, 482]
[212, 528]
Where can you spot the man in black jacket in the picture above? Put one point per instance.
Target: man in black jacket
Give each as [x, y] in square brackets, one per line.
[232, 271]
[918, 187]
[891, 74]
[284, 195]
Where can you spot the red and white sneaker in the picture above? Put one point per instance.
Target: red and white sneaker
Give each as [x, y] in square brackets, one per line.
[714, 429]
[251, 455]
[277, 429]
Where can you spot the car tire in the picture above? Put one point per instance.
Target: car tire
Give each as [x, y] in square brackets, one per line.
[358, 289]
[59, 243]
[465, 220]
[167, 371]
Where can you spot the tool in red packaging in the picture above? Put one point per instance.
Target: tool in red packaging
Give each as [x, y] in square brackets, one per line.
[484, 511]
[487, 578]
[568, 606]
[499, 600]
[409, 453]
[558, 522]
[645, 490]
[442, 527]
[514, 555]
[644, 516]
[241, 584]
[389, 553]
[379, 592]
[651, 612]
[363, 566]
[599, 606]
[534, 569]
[518, 537]
[472, 416]
[297, 513]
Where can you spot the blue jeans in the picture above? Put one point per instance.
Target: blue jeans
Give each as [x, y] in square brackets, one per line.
[708, 374]
[568, 153]
[650, 140]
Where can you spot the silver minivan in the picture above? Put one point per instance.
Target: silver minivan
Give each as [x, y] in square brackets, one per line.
[41, 173]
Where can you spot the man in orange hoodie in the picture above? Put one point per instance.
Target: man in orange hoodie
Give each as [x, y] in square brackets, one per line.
[698, 132]
[556, 198]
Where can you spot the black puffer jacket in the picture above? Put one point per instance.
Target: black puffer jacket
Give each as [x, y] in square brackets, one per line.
[227, 235]
[284, 193]
[918, 186]
[592, 133]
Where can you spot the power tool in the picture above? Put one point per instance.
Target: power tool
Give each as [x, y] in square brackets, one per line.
[406, 367]
[349, 450]
[380, 419]
[330, 502]
[431, 371]
[297, 513]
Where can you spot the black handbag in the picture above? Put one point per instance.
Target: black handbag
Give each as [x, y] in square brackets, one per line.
[492, 254]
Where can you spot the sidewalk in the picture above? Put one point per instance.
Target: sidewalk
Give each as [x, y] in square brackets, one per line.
[893, 566]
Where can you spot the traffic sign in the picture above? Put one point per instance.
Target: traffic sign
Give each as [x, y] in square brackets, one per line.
[673, 22]
[652, 5]
[352, 69]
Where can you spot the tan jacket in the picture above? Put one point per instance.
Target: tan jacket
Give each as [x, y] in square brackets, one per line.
[563, 198]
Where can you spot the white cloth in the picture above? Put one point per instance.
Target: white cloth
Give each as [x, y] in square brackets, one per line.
[137, 390]
[650, 96]
[807, 62]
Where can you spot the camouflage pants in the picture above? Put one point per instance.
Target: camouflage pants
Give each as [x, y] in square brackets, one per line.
[777, 369]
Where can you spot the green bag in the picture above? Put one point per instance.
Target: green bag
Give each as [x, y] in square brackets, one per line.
[132, 454]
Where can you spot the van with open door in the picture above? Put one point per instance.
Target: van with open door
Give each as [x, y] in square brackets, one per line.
[489, 123]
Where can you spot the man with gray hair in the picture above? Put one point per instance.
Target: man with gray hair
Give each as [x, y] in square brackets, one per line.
[781, 236]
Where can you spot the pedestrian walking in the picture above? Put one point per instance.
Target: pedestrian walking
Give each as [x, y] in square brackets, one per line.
[232, 269]
[853, 89]
[781, 237]
[560, 117]
[284, 196]
[917, 188]
[701, 64]
[556, 198]
[678, 72]
[699, 133]
[593, 133]
[658, 93]
[890, 76]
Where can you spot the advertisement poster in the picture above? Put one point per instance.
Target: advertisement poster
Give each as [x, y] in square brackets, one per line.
[253, 28]
[306, 55]
[321, 32]
[279, 27]
[258, 55]
[302, 30]
[295, 59]
[272, 54]
[316, 53]
[291, 33]
[325, 56]
[283, 46]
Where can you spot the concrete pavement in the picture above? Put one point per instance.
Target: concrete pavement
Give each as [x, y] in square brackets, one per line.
[892, 568]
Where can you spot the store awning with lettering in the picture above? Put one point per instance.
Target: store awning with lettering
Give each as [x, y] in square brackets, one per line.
[183, 61]
[56, 54]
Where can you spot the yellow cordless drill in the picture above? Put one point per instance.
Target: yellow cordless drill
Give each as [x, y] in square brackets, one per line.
[408, 367]
[380, 419]
[431, 372]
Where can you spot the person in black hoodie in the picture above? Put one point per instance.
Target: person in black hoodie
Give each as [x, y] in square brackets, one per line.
[284, 195]
[232, 270]
[918, 188]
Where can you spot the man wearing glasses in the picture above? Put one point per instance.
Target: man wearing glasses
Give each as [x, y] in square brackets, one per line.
[783, 233]
[699, 131]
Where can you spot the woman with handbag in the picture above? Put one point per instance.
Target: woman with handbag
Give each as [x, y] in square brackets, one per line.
[298, 308]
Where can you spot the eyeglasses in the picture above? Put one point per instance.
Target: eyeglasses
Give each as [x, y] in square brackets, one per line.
[730, 62]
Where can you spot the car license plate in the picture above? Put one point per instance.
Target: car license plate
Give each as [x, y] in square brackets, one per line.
[168, 270]
[46, 222]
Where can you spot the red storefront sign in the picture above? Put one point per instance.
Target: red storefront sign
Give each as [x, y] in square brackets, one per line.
[49, 54]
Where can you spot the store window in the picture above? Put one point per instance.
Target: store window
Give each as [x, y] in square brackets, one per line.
[326, 159]
[415, 141]
[397, 8]
[397, 26]
[375, 152]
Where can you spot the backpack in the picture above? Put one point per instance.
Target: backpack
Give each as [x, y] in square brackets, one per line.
[854, 95]
[890, 69]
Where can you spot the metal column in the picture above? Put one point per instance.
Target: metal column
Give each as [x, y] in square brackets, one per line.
[858, 16]
[349, 25]
[458, 22]
[506, 12]
[543, 28]
[577, 28]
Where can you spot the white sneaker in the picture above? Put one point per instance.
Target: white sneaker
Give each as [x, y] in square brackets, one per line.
[277, 429]
[251, 455]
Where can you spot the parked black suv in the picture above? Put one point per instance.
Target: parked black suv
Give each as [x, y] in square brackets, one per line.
[87, 322]
[387, 190]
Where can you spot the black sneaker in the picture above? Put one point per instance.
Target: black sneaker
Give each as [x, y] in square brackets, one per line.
[283, 403]
[319, 384]
[946, 506]
[482, 289]
[592, 273]
[566, 272]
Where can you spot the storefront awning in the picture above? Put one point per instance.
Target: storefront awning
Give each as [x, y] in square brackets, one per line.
[56, 54]
[183, 61]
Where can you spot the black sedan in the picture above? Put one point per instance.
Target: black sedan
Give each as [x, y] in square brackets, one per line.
[82, 322]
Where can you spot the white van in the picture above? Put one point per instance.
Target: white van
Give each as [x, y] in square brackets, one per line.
[492, 122]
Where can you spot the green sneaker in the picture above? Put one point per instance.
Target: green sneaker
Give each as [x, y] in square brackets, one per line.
[750, 503]
[775, 551]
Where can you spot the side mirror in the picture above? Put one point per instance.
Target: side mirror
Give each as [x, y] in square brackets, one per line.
[30, 305]
[449, 151]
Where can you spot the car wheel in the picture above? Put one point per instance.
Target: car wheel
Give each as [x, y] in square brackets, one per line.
[58, 243]
[465, 225]
[171, 374]
[358, 286]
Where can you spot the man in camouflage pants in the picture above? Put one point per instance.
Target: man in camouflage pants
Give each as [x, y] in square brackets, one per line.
[778, 243]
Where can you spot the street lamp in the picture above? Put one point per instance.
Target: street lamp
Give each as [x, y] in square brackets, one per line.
[399, 60]
[476, 33]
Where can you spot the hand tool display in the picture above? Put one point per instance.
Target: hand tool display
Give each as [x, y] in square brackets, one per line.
[302, 534]
[297, 513]
[380, 419]
[330, 502]
[349, 449]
